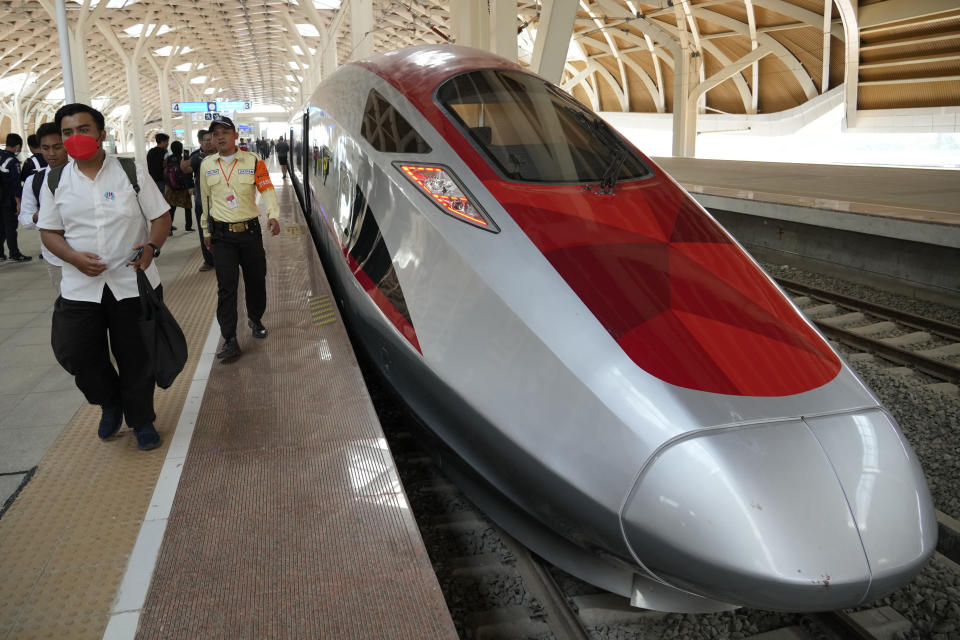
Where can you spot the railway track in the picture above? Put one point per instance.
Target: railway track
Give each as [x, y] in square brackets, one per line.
[496, 590]
[921, 344]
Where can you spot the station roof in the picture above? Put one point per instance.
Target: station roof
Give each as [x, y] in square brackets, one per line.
[756, 56]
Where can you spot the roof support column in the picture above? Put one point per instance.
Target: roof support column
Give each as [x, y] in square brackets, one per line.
[329, 60]
[851, 73]
[81, 77]
[17, 114]
[827, 27]
[361, 29]
[503, 40]
[553, 38]
[470, 23]
[136, 111]
[63, 34]
[166, 116]
[684, 106]
[133, 82]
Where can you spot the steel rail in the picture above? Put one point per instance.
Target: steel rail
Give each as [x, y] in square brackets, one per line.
[929, 366]
[560, 616]
[943, 329]
[841, 625]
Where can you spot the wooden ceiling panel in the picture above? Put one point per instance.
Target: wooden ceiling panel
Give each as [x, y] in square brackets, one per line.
[806, 45]
[778, 91]
[260, 34]
[911, 95]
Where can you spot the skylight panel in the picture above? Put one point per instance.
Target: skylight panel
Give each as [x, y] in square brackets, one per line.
[308, 30]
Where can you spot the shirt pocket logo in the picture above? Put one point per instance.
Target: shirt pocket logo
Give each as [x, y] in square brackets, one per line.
[110, 195]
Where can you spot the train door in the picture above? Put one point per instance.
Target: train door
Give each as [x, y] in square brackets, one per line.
[305, 175]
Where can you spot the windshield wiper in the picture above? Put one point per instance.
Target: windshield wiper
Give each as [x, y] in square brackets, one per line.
[612, 141]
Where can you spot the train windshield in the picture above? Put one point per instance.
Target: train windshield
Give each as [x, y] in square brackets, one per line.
[533, 132]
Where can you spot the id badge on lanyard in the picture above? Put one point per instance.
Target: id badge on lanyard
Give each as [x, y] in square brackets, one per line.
[229, 195]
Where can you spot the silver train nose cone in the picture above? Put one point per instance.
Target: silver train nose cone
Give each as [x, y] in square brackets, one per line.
[799, 515]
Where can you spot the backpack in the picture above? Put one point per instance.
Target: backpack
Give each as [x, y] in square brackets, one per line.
[173, 175]
[38, 183]
[129, 168]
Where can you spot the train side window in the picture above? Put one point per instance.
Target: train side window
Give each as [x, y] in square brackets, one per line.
[388, 131]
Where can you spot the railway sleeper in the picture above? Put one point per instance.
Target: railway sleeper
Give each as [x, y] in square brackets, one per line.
[874, 329]
[608, 608]
[506, 622]
[907, 339]
[944, 351]
[844, 319]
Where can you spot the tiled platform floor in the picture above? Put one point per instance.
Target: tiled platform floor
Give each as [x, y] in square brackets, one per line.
[280, 503]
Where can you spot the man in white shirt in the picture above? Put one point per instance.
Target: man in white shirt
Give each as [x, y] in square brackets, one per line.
[55, 155]
[94, 222]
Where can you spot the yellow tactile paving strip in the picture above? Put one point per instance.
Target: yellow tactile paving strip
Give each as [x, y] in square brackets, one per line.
[65, 542]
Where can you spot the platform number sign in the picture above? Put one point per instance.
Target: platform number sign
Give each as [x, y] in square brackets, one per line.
[193, 107]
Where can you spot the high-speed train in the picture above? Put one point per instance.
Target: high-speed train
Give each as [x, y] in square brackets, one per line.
[624, 389]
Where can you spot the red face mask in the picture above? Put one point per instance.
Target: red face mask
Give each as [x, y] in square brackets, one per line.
[81, 147]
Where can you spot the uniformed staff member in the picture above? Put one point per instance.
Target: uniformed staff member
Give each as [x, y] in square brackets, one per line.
[229, 182]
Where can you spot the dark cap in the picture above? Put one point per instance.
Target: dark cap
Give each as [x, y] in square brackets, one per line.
[223, 121]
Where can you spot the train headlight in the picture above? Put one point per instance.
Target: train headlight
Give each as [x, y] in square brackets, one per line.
[447, 192]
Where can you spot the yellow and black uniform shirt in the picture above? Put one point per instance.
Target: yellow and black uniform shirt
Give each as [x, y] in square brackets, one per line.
[229, 189]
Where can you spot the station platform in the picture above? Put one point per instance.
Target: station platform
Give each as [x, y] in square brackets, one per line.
[885, 226]
[918, 197]
[272, 510]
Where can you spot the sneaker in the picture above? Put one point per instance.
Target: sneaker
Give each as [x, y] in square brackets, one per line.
[21, 258]
[147, 437]
[205, 267]
[259, 331]
[110, 422]
[230, 349]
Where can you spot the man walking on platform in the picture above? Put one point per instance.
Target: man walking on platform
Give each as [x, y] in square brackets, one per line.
[35, 162]
[229, 183]
[157, 167]
[206, 148]
[10, 197]
[93, 214]
[283, 152]
[55, 155]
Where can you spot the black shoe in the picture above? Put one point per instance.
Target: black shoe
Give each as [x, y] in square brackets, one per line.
[230, 349]
[205, 267]
[172, 228]
[147, 437]
[259, 331]
[3, 257]
[110, 422]
[188, 228]
[21, 258]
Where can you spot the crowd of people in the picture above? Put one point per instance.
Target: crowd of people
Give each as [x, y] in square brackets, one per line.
[103, 218]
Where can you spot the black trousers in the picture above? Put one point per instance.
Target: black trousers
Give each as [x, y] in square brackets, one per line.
[232, 252]
[80, 341]
[8, 218]
[207, 254]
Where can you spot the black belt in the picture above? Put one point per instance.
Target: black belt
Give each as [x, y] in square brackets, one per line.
[235, 227]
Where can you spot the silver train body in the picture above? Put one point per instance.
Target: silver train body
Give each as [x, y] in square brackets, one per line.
[710, 453]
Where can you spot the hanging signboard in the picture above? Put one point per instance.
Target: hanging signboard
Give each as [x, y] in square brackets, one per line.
[194, 107]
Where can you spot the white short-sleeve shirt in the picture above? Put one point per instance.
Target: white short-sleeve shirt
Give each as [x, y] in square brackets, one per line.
[29, 206]
[102, 216]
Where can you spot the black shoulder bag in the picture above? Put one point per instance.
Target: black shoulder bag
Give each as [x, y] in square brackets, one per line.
[162, 336]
